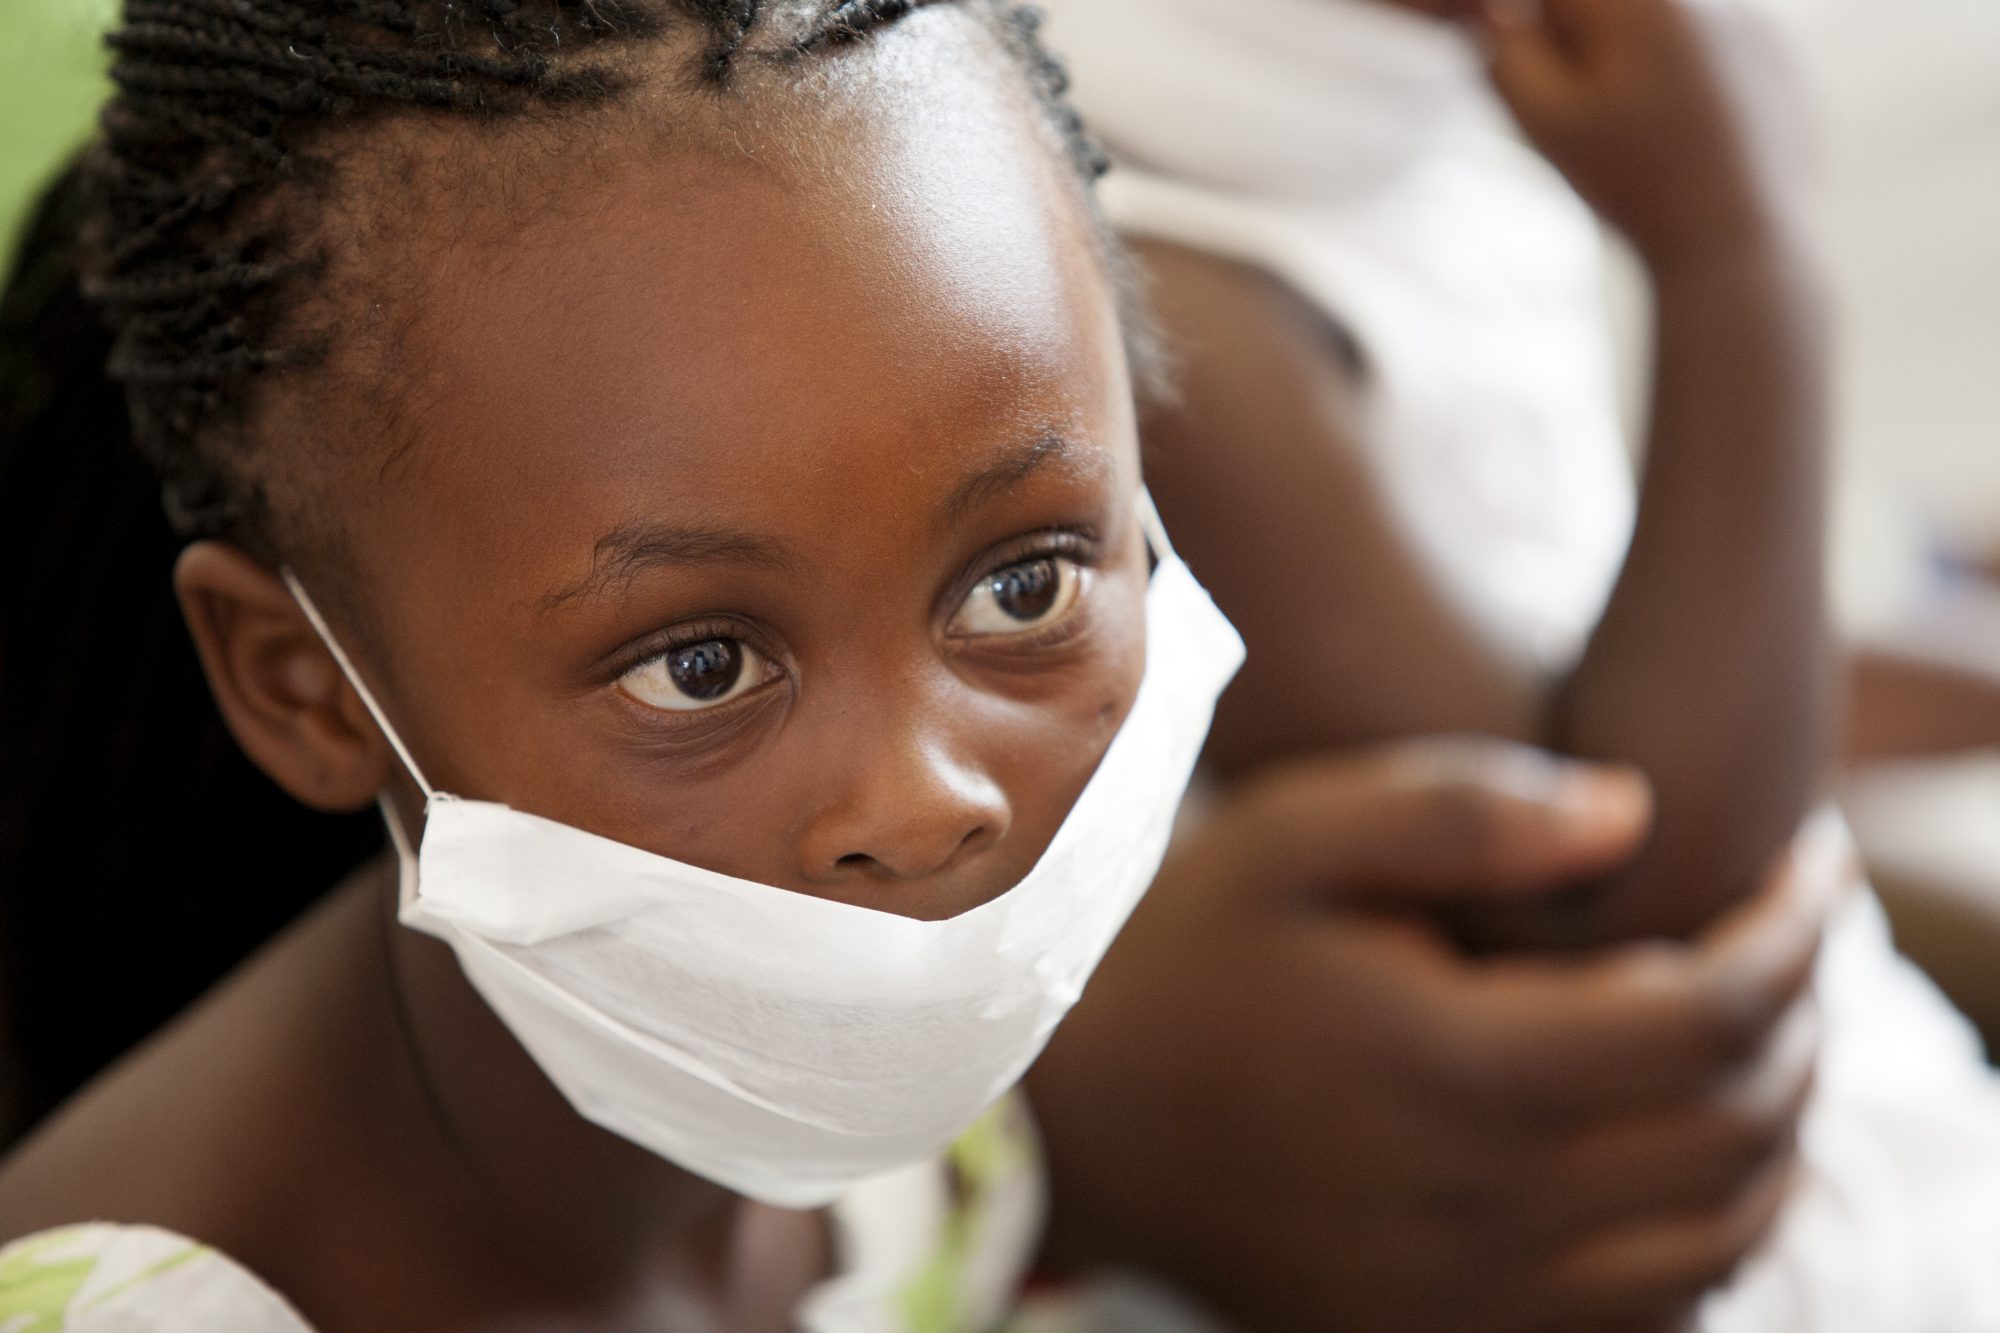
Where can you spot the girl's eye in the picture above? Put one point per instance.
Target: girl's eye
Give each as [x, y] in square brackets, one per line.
[1018, 598]
[694, 676]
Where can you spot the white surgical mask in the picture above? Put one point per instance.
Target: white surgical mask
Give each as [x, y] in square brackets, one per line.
[782, 1045]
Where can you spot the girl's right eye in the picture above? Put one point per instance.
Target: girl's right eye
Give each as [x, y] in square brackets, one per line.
[692, 676]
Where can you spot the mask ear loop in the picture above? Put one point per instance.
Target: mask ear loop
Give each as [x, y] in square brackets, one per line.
[346, 665]
[399, 837]
[1155, 530]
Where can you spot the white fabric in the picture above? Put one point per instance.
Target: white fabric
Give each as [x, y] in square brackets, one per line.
[787, 1046]
[1469, 274]
[1937, 820]
[1895, 1226]
[1470, 278]
[1280, 99]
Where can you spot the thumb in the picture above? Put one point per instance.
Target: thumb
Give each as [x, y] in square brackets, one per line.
[1440, 820]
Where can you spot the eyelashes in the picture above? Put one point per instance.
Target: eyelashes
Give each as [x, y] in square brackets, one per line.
[1020, 598]
[698, 674]
[709, 665]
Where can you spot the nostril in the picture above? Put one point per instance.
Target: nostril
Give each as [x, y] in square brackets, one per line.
[913, 862]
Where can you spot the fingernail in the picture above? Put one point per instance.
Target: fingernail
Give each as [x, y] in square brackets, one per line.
[1824, 846]
[1606, 794]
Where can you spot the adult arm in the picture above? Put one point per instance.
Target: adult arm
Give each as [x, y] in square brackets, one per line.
[1710, 668]
[1259, 468]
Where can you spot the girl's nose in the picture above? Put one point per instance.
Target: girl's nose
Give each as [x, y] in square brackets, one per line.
[908, 810]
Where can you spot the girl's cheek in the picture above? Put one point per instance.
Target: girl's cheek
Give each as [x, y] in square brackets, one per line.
[1123, 663]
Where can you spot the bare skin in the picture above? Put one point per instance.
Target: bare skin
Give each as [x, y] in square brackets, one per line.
[611, 459]
[1712, 667]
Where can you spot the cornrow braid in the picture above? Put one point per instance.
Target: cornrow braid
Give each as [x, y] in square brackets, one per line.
[852, 20]
[199, 251]
[1051, 78]
[218, 103]
[735, 18]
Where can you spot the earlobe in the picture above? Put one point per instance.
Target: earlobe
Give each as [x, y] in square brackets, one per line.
[278, 687]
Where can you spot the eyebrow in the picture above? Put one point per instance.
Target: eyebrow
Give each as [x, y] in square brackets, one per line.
[1004, 473]
[628, 550]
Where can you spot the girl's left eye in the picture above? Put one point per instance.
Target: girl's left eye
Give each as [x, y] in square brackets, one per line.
[1019, 598]
[693, 676]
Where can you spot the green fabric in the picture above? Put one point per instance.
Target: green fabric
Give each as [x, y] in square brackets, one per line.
[40, 1288]
[982, 1158]
[38, 1292]
[52, 63]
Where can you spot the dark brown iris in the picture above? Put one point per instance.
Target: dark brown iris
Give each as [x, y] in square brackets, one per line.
[1026, 591]
[706, 670]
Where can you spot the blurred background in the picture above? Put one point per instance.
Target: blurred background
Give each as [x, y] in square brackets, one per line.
[1911, 95]
[51, 79]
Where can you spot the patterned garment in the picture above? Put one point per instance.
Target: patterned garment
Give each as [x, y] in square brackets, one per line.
[939, 1248]
[118, 1279]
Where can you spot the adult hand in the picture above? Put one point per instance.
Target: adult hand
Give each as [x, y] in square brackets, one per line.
[1310, 1110]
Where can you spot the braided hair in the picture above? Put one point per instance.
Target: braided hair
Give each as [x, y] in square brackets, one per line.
[186, 227]
[225, 119]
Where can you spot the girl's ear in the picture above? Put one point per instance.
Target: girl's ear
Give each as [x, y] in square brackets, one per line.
[279, 689]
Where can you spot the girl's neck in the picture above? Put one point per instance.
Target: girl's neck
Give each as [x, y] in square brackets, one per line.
[528, 1198]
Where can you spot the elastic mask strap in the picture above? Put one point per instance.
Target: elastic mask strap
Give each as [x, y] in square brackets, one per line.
[406, 856]
[1156, 531]
[346, 665]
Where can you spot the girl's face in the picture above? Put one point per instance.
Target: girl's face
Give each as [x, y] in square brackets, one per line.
[770, 503]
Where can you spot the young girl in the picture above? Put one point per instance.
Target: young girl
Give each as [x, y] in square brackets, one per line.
[680, 460]
[707, 428]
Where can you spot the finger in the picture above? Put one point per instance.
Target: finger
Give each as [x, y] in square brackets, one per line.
[1693, 1158]
[1553, 1045]
[1668, 1265]
[1754, 950]
[1645, 1023]
[1442, 819]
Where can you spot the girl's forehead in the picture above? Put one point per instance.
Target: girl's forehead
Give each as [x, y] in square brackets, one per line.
[897, 253]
